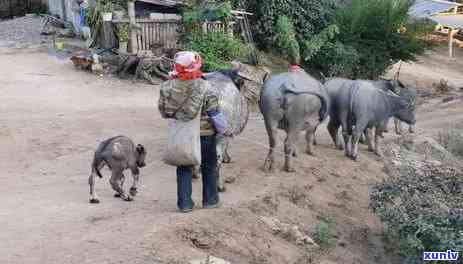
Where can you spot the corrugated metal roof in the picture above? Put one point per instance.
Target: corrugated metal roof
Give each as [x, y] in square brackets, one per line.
[427, 8]
[169, 3]
[453, 21]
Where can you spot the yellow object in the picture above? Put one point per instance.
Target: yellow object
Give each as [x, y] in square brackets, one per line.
[59, 45]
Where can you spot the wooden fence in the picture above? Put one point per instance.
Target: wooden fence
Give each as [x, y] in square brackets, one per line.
[155, 34]
[158, 34]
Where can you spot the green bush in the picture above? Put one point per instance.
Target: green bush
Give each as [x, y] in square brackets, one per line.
[217, 49]
[422, 210]
[336, 59]
[381, 33]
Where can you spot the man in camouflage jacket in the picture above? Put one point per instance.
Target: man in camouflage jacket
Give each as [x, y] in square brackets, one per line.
[194, 95]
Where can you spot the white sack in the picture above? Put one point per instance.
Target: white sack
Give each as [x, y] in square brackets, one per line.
[184, 143]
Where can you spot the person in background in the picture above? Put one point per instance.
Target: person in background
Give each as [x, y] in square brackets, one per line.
[188, 72]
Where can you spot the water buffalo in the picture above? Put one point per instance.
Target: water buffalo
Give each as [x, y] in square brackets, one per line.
[410, 94]
[360, 106]
[334, 85]
[293, 102]
[231, 87]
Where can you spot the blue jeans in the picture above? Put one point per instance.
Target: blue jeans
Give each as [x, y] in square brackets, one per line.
[209, 177]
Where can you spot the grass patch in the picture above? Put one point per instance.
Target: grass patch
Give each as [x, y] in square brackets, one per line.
[325, 233]
[452, 140]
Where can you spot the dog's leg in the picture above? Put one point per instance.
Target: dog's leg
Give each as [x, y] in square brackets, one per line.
[136, 177]
[91, 181]
[115, 181]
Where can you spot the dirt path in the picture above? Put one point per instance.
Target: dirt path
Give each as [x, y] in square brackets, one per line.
[51, 120]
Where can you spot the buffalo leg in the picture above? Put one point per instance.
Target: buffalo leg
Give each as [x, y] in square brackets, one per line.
[221, 144]
[398, 126]
[369, 138]
[272, 134]
[355, 142]
[315, 137]
[226, 156]
[196, 172]
[291, 139]
[346, 133]
[411, 129]
[310, 137]
[377, 146]
[333, 129]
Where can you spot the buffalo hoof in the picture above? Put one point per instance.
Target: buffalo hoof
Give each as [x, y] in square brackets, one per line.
[268, 167]
[133, 191]
[94, 201]
[379, 154]
[221, 189]
[227, 160]
[310, 153]
[128, 198]
[289, 169]
[117, 195]
[354, 158]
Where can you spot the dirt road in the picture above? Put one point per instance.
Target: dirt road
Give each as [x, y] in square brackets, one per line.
[51, 119]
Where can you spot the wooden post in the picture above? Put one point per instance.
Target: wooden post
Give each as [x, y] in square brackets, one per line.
[451, 34]
[108, 40]
[132, 48]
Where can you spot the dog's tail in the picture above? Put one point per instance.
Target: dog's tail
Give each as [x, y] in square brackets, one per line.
[96, 165]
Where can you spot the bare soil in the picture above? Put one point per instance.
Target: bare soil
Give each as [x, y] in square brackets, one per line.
[52, 117]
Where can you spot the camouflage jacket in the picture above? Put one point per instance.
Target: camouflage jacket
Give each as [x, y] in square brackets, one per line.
[184, 100]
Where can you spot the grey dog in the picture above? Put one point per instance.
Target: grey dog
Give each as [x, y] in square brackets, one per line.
[119, 154]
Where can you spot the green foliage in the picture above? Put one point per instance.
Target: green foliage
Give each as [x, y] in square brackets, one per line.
[452, 140]
[123, 32]
[314, 45]
[202, 11]
[336, 59]
[381, 34]
[94, 18]
[286, 40]
[309, 17]
[217, 49]
[324, 233]
[422, 209]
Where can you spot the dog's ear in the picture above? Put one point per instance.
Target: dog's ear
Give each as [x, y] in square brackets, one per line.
[140, 149]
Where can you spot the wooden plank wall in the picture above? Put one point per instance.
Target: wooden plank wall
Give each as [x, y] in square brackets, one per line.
[158, 34]
[164, 33]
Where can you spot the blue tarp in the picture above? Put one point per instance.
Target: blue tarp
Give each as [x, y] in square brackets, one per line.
[427, 8]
